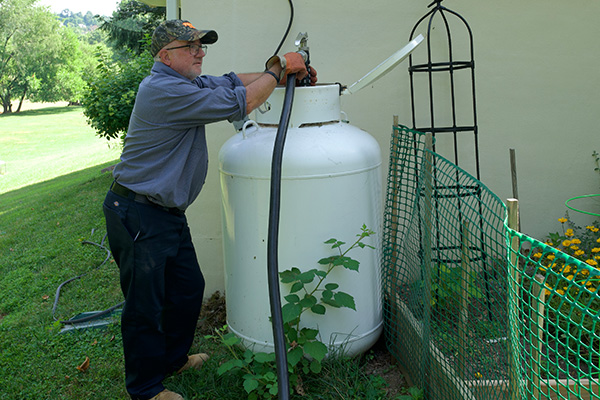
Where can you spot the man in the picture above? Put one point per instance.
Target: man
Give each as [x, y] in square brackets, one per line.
[162, 170]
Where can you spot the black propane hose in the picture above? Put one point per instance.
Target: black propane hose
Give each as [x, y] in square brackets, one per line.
[272, 242]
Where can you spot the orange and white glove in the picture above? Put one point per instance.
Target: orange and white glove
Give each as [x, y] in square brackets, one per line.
[291, 63]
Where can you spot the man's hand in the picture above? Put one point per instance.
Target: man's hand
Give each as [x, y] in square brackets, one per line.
[294, 64]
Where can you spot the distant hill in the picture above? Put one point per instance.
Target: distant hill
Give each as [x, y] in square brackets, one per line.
[85, 22]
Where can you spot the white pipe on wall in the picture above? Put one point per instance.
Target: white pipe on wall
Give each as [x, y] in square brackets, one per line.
[173, 9]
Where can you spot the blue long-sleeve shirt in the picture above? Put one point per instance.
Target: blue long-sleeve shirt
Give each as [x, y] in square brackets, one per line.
[165, 155]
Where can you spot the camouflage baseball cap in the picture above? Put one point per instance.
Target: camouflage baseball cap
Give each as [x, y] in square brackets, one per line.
[176, 29]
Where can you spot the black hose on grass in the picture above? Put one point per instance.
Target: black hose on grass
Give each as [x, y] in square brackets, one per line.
[99, 313]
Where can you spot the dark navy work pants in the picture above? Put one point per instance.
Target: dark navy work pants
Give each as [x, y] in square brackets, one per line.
[163, 288]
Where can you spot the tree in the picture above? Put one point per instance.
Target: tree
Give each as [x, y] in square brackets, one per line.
[78, 64]
[130, 24]
[30, 43]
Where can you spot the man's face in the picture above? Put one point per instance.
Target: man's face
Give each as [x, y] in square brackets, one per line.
[181, 60]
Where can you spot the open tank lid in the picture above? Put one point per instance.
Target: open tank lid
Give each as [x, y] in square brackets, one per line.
[385, 67]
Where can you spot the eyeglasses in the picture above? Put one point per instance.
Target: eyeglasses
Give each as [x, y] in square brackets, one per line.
[194, 48]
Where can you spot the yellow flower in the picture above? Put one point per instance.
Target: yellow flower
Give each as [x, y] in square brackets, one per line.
[562, 220]
[569, 232]
[551, 257]
[560, 291]
[547, 292]
[590, 227]
[574, 248]
[593, 263]
[478, 375]
[596, 250]
[592, 289]
[579, 252]
[595, 229]
[575, 241]
[598, 240]
[585, 272]
[566, 243]
[537, 255]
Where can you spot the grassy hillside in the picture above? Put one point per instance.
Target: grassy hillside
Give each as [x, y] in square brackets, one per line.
[42, 144]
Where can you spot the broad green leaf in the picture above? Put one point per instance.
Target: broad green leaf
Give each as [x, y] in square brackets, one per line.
[287, 276]
[229, 365]
[331, 241]
[273, 390]
[230, 339]
[316, 350]
[345, 300]
[315, 366]
[327, 294]
[321, 273]
[308, 301]
[292, 298]
[339, 260]
[248, 355]
[332, 303]
[290, 333]
[351, 264]
[326, 261]
[308, 333]
[250, 385]
[270, 376]
[318, 309]
[290, 312]
[264, 357]
[332, 286]
[294, 356]
[307, 277]
[296, 287]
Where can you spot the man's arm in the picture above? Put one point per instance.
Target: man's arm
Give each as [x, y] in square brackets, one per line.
[259, 86]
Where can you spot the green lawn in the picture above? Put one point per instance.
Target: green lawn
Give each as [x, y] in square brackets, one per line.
[50, 205]
[42, 144]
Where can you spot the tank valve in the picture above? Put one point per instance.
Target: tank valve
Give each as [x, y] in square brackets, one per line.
[302, 44]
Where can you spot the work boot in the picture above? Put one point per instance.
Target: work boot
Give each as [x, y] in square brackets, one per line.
[194, 361]
[167, 395]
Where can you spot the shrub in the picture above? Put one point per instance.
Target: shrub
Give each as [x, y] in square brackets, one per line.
[110, 97]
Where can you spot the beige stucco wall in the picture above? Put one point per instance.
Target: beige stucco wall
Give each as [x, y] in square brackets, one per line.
[536, 83]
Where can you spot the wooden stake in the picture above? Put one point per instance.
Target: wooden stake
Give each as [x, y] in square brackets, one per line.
[513, 175]
[464, 304]
[513, 298]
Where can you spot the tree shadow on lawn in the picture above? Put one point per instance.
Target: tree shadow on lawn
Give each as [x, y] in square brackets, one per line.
[42, 111]
[16, 197]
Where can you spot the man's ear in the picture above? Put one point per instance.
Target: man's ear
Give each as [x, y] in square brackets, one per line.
[165, 57]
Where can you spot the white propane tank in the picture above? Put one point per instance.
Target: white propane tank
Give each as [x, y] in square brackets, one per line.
[331, 186]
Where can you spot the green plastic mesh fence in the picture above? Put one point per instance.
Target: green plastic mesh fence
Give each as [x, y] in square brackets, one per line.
[474, 309]
[553, 321]
[444, 282]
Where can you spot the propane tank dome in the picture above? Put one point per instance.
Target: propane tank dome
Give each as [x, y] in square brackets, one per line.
[312, 105]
